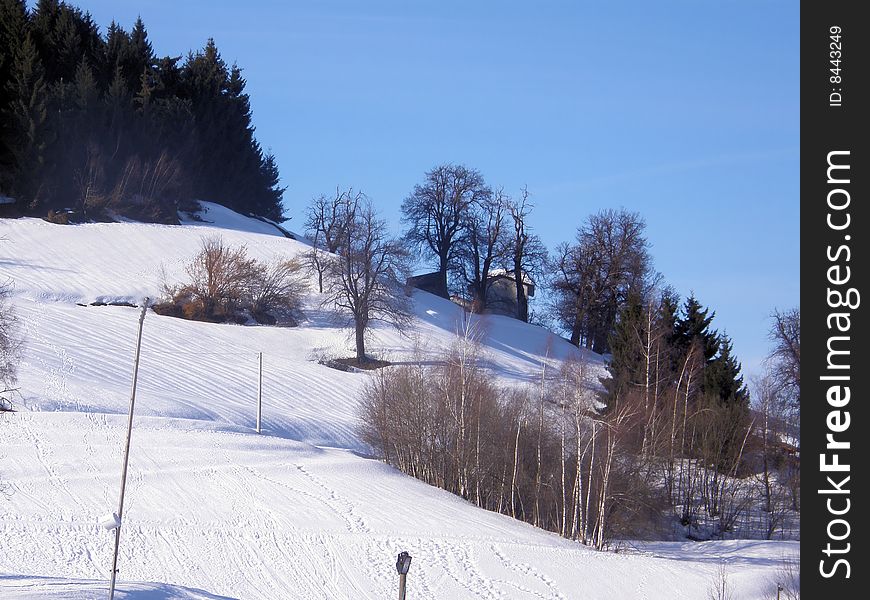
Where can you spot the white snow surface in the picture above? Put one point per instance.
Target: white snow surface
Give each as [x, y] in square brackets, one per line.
[214, 510]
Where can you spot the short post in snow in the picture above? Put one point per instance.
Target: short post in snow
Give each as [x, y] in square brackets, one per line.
[779, 590]
[403, 563]
[260, 394]
[115, 521]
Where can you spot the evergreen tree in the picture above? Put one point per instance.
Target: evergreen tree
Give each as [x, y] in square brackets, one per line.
[13, 28]
[626, 367]
[65, 46]
[695, 325]
[722, 378]
[138, 60]
[117, 43]
[89, 118]
[63, 36]
[271, 194]
[641, 348]
[43, 23]
[86, 93]
[28, 115]
[722, 383]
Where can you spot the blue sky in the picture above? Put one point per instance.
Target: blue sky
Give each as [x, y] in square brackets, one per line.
[684, 111]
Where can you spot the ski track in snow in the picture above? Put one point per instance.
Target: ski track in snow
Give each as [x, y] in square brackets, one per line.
[214, 511]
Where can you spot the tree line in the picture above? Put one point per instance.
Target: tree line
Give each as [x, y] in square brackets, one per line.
[472, 234]
[669, 444]
[100, 124]
[670, 426]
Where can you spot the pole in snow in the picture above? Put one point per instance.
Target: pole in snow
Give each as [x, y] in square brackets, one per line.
[119, 515]
[260, 393]
[403, 563]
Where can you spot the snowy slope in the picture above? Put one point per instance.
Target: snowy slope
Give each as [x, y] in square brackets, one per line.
[213, 510]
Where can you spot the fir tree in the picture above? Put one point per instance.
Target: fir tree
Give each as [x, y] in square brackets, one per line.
[695, 325]
[117, 43]
[28, 115]
[13, 26]
[139, 59]
[86, 92]
[271, 194]
[626, 346]
[76, 105]
[722, 378]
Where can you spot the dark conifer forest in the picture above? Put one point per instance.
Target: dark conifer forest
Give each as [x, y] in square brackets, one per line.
[96, 123]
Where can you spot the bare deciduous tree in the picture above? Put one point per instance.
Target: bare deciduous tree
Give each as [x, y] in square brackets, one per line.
[719, 588]
[437, 211]
[785, 357]
[276, 290]
[10, 347]
[364, 280]
[595, 275]
[527, 253]
[484, 245]
[788, 579]
[326, 219]
[774, 472]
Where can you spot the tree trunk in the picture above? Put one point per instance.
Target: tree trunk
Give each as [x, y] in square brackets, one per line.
[516, 463]
[589, 484]
[579, 527]
[501, 491]
[646, 396]
[610, 449]
[563, 530]
[442, 277]
[477, 458]
[575, 330]
[522, 300]
[536, 520]
[360, 342]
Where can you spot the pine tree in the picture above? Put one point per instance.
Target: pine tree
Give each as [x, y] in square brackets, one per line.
[270, 197]
[43, 24]
[722, 378]
[77, 108]
[28, 115]
[139, 62]
[13, 26]
[695, 325]
[66, 46]
[86, 92]
[117, 41]
[626, 346]
[139, 41]
[63, 36]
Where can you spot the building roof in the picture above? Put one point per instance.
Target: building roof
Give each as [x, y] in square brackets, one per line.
[510, 275]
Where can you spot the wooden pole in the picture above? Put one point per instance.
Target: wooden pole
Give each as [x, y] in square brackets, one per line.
[260, 394]
[127, 451]
[402, 577]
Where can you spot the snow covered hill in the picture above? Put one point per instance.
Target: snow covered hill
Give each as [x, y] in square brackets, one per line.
[214, 510]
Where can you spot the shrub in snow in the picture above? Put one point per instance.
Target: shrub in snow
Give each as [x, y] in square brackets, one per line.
[226, 285]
